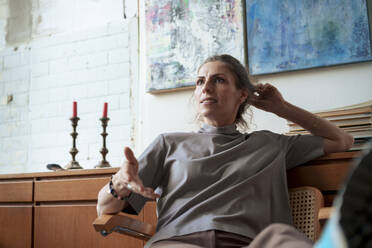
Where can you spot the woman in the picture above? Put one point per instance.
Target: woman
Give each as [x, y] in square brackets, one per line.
[220, 187]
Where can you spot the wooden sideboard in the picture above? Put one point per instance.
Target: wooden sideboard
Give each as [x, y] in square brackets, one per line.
[327, 173]
[54, 209]
[57, 209]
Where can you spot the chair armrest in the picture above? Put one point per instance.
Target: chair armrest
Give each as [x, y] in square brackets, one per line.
[106, 224]
[325, 213]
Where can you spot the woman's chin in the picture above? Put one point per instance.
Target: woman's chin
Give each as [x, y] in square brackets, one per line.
[207, 113]
[208, 117]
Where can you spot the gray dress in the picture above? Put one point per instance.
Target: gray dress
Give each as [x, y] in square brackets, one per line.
[219, 178]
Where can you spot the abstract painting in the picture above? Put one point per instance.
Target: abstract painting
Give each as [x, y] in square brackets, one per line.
[285, 35]
[181, 34]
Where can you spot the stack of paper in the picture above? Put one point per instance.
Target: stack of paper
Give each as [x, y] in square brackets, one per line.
[354, 119]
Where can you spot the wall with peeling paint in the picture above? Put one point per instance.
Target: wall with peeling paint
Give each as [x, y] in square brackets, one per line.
[83, 50]
[53, 52]
[19, 21]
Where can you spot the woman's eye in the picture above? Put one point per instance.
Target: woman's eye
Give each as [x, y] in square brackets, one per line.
[220, 80]
[199, 82]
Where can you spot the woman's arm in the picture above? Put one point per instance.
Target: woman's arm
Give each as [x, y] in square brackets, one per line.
[128, 174]
[268, 98]
[108, 204]
[335, 139]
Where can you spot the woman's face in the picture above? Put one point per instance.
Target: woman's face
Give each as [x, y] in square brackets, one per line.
[216, 95]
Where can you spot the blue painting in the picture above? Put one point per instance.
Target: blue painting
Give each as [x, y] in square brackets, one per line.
[285, 35]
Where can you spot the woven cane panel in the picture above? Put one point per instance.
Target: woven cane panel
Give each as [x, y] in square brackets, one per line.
[304, 211]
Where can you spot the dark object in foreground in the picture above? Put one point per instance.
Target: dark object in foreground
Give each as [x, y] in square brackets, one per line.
[355, 217]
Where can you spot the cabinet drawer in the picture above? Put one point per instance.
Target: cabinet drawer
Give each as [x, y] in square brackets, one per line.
[19, 191]
[322, 176]
[69, 189]
[71, 226]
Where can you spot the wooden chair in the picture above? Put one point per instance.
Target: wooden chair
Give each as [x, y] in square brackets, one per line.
[306, 203]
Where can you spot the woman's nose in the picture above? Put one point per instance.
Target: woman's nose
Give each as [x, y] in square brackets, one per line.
[208, 85]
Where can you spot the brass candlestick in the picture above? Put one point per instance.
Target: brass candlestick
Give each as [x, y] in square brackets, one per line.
[73, 151]
[104, 151]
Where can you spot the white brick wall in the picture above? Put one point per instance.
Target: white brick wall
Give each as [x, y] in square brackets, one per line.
[45, 76]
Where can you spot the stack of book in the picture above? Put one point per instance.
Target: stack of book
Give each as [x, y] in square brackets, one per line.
[354, 119]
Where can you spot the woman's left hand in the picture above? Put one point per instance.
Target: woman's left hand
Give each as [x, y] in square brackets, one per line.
[268, 98]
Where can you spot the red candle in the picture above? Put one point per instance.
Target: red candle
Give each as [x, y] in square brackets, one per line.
[74, 109]
[105, 110]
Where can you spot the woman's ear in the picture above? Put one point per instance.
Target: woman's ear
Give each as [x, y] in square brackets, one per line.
[244, 95]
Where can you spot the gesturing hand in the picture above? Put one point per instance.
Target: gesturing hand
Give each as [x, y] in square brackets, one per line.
[268, 98]
[127, 179]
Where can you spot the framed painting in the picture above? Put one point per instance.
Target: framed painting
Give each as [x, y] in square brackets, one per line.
[286, 35]
[181, 34]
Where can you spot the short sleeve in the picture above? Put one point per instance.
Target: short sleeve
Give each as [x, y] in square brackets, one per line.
[150, 171]
[302, 148]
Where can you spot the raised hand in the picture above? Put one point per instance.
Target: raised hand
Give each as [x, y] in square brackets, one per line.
[268, 98]
[127, 179]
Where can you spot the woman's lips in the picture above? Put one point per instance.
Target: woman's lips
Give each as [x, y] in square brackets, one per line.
[208, 100]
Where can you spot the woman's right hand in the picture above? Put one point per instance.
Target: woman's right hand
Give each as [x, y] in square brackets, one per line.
[128, 175]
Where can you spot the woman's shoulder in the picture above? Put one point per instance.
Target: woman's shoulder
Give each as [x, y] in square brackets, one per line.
[266, 134]
[281, 139]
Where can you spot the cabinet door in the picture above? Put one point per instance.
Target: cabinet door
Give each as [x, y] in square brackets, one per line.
[15, 213]
[15, 226]
[71, 226]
